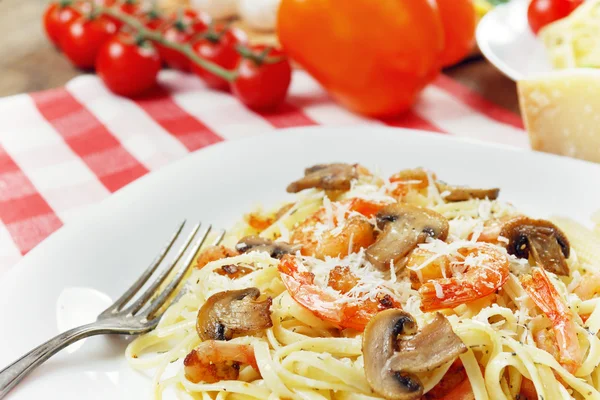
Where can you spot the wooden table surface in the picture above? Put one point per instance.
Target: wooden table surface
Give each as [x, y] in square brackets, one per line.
[28, 62]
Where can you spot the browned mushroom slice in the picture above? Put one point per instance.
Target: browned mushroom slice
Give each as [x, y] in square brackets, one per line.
[463, 193]
[539, 239]
[404, 226]
[434, 345]
[232, 312]
[391, 363]
[336, 176]
[234, 271]
[256, 243]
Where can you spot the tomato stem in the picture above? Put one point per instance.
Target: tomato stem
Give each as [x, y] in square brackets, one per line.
[157, 37]
[259, 58]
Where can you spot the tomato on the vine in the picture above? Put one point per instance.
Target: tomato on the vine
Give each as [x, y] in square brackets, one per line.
[542, 12]
[181, 29]
[179, 34]
[218, 45]
[128, 66]
[263, 78]
[127, 7]
[57, 18]
[459, 20]
[130, 7]
[84, 37]
[197, 20]
[152, 20]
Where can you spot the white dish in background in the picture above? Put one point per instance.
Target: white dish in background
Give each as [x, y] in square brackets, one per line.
[74, 274]
[505, 39]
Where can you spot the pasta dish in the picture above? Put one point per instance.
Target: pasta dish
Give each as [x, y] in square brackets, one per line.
[365, 287]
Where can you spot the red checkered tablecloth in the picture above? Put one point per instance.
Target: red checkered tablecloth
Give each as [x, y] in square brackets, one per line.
[66, 149]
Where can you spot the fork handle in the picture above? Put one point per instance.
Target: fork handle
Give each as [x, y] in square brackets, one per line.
[15, 372]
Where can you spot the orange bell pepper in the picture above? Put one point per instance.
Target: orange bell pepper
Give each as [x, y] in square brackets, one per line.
[459, 20]
[372, 56]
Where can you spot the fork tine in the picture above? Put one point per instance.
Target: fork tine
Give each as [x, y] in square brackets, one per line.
[164, 295]
[133, 289]
[219, 237]
[144, 297]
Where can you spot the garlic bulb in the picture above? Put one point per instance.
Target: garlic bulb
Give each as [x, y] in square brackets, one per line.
[259, 14]
[217, 8]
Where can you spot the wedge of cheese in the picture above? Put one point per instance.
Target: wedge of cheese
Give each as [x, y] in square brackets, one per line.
[561, 111]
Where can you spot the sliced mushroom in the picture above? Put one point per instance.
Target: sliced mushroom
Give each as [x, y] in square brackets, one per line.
[232, 312]
[463, 193]
[419, 178]
[540, 239]
[234, 271]
[434, 345]
[391, 362]
[336, 176]
[404, 226]
[256, 243]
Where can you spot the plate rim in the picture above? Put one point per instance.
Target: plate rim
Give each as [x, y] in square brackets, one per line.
[484, 46]
[512, 6]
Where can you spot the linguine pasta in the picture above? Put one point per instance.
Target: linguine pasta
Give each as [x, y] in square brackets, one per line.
[517, 345]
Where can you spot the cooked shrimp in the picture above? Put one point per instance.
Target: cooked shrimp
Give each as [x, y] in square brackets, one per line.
[215, 360]
[452, 380]
[407, 180]
[260, 222]
[342, 279]
[486, 270]
[528, 391]
[424, 266]
[353, 234]
[588, 287]
[546, 297]
[341, 310]
[214, 253]
[491, 230]
[545, 339]
[356, 233]
[365, 207]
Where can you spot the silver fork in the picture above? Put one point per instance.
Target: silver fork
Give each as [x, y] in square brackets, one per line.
[141, 316]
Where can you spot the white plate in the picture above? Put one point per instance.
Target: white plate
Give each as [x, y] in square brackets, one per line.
[505, 39]
[74, 274]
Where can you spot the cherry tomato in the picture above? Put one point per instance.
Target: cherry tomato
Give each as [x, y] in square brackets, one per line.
[179, 34]
[83, 39]
[153, 20]
[128, 67]
[218, 46]
[459, 21]
[130, 7]
[260, 84]
[57, 18]
[197, 20]
[542, 12]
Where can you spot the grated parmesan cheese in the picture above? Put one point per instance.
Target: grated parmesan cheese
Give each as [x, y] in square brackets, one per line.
[439, 292]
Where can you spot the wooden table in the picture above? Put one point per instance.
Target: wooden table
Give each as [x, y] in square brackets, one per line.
[28, 62]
